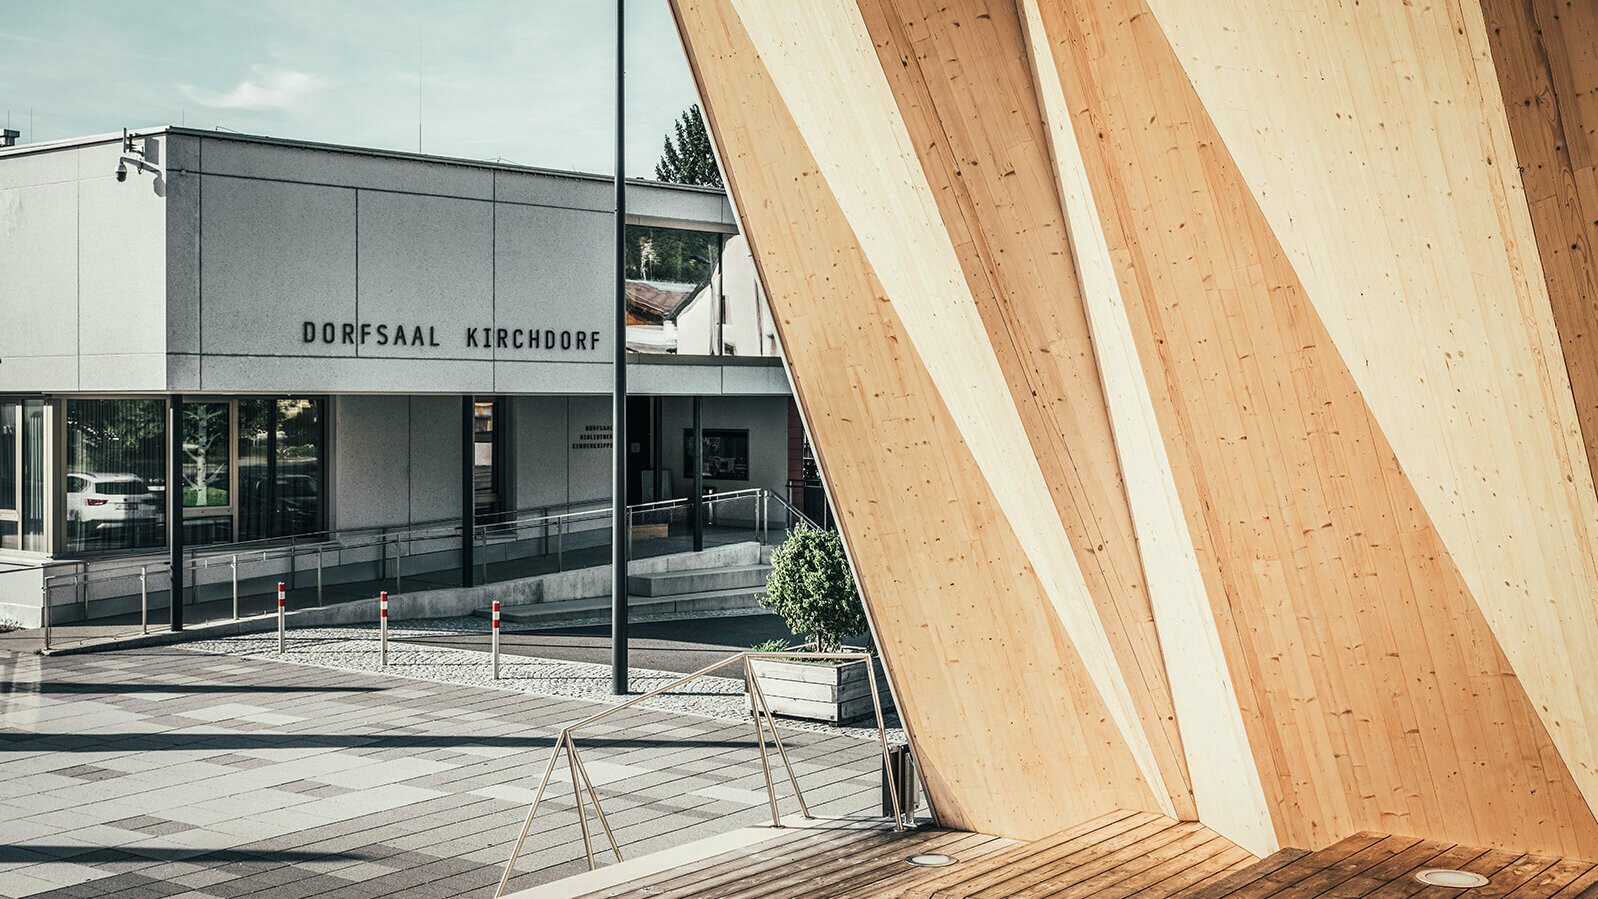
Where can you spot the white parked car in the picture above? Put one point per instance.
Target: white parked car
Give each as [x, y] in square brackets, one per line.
[110, 500]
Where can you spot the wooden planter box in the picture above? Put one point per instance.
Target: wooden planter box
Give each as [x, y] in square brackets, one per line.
[819, 691]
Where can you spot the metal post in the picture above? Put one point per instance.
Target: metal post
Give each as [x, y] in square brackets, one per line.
[882, 735]
[144, 601]
[174, 506]
[483, 532]
[577, 795]
[760, 739]
[282, 621]
[319, 575]
[528, 825]
[44, 610]
[468, 488]
[235, 586]
[760, 697]
[658, 446]
[593, 797]
[699, 476]
[618, 409]
[496, 639]
[382, 628]
[399, 557]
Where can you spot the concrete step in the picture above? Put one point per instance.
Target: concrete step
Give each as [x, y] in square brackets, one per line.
[599, 606]
[697, 580]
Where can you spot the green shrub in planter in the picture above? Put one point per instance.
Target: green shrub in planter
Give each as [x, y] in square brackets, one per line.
[811, 587]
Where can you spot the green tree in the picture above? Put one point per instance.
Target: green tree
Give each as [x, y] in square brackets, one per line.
[688, 157]
[811, 587]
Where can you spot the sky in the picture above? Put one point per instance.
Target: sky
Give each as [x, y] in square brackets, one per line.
[530, 82]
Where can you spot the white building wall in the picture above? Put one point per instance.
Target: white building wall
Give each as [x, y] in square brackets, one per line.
[82, 271]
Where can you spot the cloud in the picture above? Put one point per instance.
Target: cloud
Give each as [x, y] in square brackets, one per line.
[269, 89]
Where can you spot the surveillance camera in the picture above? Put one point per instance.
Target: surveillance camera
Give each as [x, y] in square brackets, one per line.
[122, 171]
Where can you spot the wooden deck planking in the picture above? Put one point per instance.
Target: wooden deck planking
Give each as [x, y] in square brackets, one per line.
[1122, 855]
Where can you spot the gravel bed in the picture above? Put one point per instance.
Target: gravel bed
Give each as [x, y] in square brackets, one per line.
[355, 648]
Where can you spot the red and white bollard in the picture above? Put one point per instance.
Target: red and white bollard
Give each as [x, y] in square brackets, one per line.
[495, 633]
[382, 626]
[282, 611]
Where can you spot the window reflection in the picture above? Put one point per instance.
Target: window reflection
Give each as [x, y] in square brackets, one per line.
[280, 467]
[33, 431]
[10, 470]
[486, 470]
[207, 487]
[116, 466]
[668, 270]
[10, 418]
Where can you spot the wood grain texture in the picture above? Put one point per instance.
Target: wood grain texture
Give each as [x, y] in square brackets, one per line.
[994, 692]
[1191, 383]
[1228, 797]
[1393, 191]
[869, 162]
[950, 64]
[1378, 695]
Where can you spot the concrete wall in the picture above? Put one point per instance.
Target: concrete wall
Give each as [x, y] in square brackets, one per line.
[82, 270]
[396, 460]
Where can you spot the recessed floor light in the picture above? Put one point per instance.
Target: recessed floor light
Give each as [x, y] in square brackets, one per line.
[1448, 877]
[930, 860]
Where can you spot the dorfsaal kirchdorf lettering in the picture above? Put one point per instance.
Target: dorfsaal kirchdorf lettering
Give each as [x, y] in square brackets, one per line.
[428, 337]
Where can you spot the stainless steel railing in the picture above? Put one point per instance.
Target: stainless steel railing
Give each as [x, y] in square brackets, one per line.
[758, 709]
[387, 548]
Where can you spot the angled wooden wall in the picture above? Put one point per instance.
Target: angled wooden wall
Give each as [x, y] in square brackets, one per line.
[1206, 391]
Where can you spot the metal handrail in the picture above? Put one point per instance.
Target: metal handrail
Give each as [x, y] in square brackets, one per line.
[758, 707]
[357, 538]
[554, 527]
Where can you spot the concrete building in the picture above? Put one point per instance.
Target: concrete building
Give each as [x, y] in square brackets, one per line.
[330, 317]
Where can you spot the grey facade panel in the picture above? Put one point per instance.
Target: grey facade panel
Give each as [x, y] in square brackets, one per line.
[271, 254]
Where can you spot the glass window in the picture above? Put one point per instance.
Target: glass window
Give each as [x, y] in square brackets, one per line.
[668, 269]
[205, 456]
[207, 487]
[726, 454]
[485, 460]
[670, 256]
[281, 447]
[10, 420]
[33, 488]
[116, 467]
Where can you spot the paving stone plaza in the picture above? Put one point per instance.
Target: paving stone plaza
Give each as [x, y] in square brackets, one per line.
[176, 772]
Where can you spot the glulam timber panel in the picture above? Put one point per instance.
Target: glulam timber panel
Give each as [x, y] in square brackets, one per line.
[1201, 387]
[1394, 191]
[1546, 58]
[947, 64]
[980, 661]
[1381, 695]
